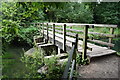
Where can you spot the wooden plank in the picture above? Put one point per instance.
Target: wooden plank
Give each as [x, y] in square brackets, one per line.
[101, 53]
[102, 34]
[94, 33]
[102, 43]
[82, 25]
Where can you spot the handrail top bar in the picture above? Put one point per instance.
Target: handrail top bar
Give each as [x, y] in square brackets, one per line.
[77, 24]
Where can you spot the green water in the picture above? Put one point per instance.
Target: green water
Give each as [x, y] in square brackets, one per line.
[12, 65]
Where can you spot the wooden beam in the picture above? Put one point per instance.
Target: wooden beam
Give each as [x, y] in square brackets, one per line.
[47, 33]
[102, 43]
[111, 32]
[72, 70]
[82, 25]
[53, 33]
[85, 42]
[43, 29]
[64, 37]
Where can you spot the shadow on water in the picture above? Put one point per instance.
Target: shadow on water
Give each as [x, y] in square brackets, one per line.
[12, 65]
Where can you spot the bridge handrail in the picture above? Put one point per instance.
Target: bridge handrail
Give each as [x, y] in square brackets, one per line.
[77, 24]
[82, 25]
[110, 36]
[72, 57]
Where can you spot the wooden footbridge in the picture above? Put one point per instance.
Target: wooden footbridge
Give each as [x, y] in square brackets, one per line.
[69, 40]
[64, 37]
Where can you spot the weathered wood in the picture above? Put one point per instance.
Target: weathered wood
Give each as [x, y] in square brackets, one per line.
[94, 33]
[53, 33]
[65, 74]
[47, 33]
[102, 43]
[102, 34]
[43, 29]
[75, 50]
[64, 37]
[72, 70]
[85, 42]
[101, 53]
[82, 25]
[111, 32]
[69, 40]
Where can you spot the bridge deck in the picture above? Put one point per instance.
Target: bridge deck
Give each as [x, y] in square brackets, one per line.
[96, 50]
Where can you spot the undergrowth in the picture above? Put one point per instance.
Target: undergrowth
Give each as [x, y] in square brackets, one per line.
[37, 60]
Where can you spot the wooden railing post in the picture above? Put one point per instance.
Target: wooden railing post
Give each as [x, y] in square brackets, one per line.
[47, 33]
[111, 32]
[85, 42]
[43, 29]
[75, 50]
[64, 38]
[53, 33]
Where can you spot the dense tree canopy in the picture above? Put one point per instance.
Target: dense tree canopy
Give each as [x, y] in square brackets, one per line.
[13, 14]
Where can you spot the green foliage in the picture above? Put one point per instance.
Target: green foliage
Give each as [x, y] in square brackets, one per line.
[37, 60]
[55, 70]
[80, 61]
[27, 34]
[33, 63]
[74, 12]
[107, 13]
[9, 30]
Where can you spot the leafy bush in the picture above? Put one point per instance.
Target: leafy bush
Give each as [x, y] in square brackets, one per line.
[37, 60]
[27, 34]
[80, 61]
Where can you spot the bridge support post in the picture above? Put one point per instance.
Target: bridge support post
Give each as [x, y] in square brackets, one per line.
[47, 33]
[54, 34]
[85, 42]
[75, 50]
[64, 38]
[43, 29]
[111, 32]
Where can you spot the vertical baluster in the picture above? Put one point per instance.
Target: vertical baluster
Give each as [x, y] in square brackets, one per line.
[47, 33]
[64, 38]
[85, 42]
[111, 32]
[53, 33]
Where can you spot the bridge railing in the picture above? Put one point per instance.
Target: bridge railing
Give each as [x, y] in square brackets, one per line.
[55, 28]
[71, 61]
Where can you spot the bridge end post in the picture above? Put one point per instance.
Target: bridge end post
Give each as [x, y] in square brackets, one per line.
[54, 34]
[47, 32]
[85, 42]
[64, 38]
[111, 32]
[75, 50]
[43, 29]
